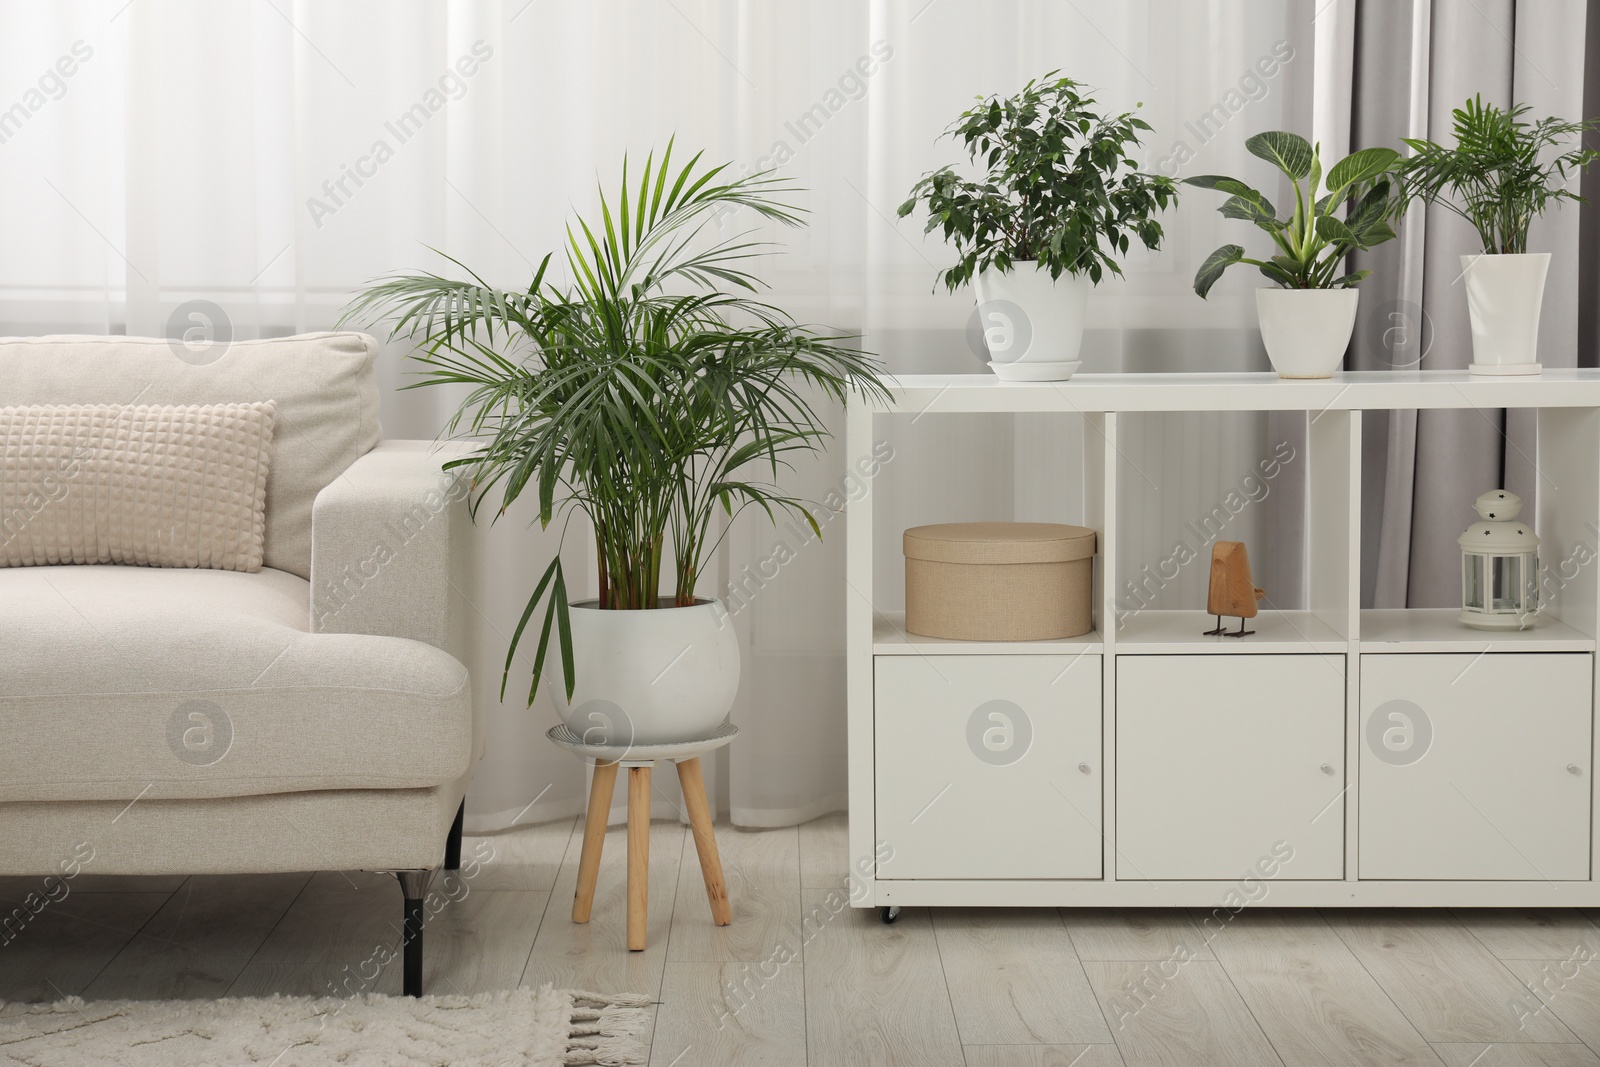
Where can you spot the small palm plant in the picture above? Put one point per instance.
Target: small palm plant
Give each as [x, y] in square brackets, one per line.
[1501, 175]
[643, 394]
[1313, 242]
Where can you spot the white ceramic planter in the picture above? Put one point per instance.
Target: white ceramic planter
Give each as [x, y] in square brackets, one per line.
[1032, 323]
[1504, 297]
[1306, 331]
[648, 677]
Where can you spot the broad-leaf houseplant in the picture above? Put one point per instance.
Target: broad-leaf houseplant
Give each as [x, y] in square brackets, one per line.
[1307, 317]
[1057, 199]
[651, 392]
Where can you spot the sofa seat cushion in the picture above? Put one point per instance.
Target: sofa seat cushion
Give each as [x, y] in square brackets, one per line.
[119, 683]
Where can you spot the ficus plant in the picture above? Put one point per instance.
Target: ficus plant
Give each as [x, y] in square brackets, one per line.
[1502, 173]
[1057, 185]
[650, 393]
[1354, 213]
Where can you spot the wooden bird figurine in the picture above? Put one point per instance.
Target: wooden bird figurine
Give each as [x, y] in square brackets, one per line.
[1232, 592]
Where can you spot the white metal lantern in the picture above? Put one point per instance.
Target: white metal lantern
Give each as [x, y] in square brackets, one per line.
[1499, 566]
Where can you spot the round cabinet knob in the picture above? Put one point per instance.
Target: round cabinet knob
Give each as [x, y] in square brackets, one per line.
[1084, 767]
[1573, 768]
[1327, 768]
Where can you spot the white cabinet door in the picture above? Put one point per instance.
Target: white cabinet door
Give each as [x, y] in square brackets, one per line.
[1224, 761]
[1475, 766]
[988, 766]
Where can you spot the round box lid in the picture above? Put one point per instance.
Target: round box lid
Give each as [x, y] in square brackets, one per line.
[999, 542]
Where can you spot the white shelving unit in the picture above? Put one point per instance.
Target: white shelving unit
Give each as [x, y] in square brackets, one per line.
[1338, 756]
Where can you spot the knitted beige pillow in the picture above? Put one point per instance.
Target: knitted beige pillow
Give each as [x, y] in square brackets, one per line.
[180, 485]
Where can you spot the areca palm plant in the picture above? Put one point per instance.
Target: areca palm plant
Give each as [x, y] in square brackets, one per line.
[1503, 172]
[649, 392]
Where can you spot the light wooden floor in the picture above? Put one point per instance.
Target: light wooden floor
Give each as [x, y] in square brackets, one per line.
[797, 980]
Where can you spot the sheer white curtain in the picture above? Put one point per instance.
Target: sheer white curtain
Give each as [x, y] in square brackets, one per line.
[270, 156]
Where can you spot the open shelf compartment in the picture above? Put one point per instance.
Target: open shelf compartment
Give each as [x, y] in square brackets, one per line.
[891, 638]
[1438, 630]
[1271, 631]
[1293, 472]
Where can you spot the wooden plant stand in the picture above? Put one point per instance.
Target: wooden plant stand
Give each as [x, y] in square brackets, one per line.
[640, 761]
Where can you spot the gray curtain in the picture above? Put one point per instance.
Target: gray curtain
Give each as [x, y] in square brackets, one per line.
[1413, 62]
[1589, 220]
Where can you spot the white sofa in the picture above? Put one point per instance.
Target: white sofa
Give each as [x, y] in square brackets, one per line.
[313, 715]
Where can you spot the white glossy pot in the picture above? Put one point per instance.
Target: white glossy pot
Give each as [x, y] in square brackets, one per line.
[1032, 324]
[1504, 297]
[1306, 331]
[648, 677]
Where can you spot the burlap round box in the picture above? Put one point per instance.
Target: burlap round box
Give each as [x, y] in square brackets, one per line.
[999, 581]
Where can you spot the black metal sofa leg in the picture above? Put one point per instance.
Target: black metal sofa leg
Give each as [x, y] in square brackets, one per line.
[452, 844]
[414, 887]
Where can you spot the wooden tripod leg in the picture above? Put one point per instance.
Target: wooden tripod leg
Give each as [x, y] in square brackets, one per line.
[705, 840]
[594, 839]
[638, 857]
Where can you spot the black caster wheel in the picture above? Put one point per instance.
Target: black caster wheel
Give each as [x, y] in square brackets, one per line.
[889, 914]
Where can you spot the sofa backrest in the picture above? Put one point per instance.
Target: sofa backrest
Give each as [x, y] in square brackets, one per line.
[323, 383]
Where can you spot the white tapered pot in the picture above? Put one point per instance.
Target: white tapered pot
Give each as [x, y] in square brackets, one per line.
[1504, 297]
[1032, 323]
[648, 677]
[1306, 331]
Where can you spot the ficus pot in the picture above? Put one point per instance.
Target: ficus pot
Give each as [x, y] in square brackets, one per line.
[1504, 297]
[1032, 323]
[651, 677]
[1306, 331]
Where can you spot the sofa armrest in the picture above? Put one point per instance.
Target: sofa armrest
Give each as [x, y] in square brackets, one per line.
[386, 537]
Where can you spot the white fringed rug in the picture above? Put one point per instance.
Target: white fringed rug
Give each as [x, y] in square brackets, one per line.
[521, 1027]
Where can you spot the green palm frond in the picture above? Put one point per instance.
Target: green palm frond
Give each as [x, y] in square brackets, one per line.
[643, 393]
[1503, 172]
